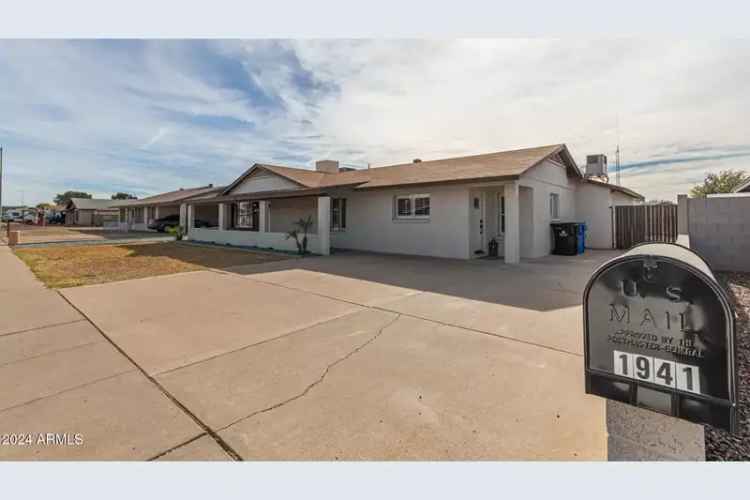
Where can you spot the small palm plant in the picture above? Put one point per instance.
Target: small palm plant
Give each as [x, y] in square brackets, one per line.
[302, 228]
[177, 231]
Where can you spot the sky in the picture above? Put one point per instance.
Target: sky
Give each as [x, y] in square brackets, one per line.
[148, 116]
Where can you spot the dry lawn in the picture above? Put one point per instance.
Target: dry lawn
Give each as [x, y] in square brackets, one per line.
[67, 266]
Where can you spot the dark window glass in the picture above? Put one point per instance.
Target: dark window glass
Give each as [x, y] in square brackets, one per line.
[404, 207]
[422, 206]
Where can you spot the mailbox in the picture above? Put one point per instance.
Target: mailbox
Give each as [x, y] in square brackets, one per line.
[659, 334]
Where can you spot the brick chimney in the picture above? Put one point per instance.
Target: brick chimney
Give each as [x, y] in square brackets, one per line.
[327, 166]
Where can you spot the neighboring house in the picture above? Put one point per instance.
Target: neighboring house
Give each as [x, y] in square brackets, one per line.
[443, 208]
[138, 214]
[88, 212]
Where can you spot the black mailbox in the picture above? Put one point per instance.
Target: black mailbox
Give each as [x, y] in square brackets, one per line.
[659, 334]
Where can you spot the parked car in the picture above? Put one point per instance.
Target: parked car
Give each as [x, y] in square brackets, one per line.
[29, 219]
[164, 223]
[202, 223]
[56, 219]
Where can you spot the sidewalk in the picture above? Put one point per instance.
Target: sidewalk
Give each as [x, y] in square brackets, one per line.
[65, 391]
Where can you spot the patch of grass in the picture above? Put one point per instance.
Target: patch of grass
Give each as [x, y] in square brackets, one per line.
[68, 266]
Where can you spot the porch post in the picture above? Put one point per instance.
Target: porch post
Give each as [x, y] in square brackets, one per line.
[183, 215]
[222, 216]
[263, 216]
[512, 222]
[156, 212]
[324, 224]
[190, 218]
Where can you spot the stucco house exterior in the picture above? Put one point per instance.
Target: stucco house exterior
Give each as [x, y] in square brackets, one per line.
[443, 208]
[88, 212]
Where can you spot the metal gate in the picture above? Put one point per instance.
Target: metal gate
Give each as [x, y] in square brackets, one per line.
[644, 223]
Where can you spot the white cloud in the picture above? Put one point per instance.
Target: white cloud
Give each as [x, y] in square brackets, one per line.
[126, 116]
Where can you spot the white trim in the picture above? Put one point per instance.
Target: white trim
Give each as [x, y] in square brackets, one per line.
[412, 207]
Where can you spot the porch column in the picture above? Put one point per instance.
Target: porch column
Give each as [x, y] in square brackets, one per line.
[324, 224]
[222, 216]
[263, 216]
[190, 218]
[156, 212]
[183, 215]
[512, 222]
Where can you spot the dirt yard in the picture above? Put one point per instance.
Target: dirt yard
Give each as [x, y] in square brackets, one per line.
[67, 266]
[720, 445]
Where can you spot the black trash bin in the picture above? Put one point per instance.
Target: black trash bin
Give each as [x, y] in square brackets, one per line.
[566, 238]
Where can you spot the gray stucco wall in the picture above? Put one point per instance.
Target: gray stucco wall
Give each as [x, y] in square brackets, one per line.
[719, 230]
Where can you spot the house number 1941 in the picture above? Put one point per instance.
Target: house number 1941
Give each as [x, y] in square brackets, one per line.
[657, 371]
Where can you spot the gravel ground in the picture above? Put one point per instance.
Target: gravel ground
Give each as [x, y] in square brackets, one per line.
[720, 445]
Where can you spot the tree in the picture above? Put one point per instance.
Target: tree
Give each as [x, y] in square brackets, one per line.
[44, 206]
[723, 182]
[64, 198]
[303, 226]
[124, 196]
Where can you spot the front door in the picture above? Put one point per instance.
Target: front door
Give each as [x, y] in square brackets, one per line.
[477, 225]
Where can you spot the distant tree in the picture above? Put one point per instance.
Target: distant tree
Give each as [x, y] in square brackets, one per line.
[124, 196]
[63, 198]
[723, 182]
[44, 206]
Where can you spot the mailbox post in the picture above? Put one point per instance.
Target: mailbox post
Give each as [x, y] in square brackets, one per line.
[659, 333]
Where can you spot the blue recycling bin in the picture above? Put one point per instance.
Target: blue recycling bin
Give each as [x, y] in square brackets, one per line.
[581, 240]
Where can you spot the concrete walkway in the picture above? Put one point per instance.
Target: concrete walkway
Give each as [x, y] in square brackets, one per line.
[66, 392]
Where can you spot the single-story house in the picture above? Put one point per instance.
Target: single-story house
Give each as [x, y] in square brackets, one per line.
[444, 208]
[89, 212]
[138, 214]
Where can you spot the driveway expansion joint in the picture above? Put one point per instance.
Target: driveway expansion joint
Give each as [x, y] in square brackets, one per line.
[206, 429]
[320, 379]
[53, 325]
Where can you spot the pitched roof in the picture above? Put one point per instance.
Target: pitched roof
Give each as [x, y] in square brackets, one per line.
[483, 167]
[615, 187]
[90, 204]
[742, 188]
[175, 196]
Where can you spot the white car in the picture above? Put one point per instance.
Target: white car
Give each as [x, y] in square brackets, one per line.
[29, 218]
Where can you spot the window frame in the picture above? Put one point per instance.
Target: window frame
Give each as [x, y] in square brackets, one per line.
[554, 206]
[412, 198]
[501, 214]
[251, 213]
[338, 207]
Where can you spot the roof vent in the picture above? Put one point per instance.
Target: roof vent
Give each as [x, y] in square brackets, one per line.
[327, 166]
[417, 160]
[211, 185]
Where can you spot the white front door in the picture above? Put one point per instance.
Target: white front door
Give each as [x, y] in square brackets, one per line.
[500, 224]
[477, 225]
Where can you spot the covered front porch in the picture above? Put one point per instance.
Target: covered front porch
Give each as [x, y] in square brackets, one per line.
[503, 213]
[138, 218]
[262, 221]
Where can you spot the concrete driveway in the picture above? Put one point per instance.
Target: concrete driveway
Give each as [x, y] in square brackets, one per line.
[353, 356]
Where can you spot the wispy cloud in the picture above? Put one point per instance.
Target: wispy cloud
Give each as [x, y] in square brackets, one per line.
[147, 116]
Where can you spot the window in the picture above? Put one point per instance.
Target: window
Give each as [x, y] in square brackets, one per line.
[415, 206]
[338, 214]
[246, 215]
[554, 206]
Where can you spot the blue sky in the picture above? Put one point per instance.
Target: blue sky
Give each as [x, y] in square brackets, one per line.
[150, 116]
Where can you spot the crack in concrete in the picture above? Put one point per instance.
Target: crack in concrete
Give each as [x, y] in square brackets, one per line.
[320, 379]
[173, 448]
